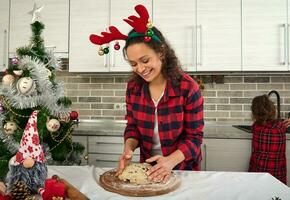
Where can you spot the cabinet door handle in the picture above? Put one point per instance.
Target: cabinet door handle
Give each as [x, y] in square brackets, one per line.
[284, 57]
[5, 48]
[114, 58]
[204, 145]
[199, 27]
[287, 45]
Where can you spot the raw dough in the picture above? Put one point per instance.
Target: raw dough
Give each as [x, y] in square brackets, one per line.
[136, 173]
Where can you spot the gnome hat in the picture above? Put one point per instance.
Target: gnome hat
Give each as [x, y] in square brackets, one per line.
[29, 145]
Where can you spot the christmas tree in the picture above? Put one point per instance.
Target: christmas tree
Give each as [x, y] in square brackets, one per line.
[29, 84]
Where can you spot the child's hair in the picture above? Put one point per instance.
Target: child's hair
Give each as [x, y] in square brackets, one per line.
[170, 64]
[263, 109]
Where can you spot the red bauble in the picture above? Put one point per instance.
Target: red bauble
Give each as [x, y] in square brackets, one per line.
[74, 115]
[117, 46]
[147, 39]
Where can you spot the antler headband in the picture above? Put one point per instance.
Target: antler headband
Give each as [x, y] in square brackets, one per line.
[141, 25]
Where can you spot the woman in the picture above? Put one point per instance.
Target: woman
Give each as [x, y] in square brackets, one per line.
[164, 109]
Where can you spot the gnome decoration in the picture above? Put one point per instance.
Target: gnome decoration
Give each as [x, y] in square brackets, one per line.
[28, 164]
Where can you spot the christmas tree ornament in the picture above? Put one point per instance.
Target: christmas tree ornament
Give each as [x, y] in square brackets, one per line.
[10, 127]
[52, 125]
[101, 51]
[14, 61]
[64, 118]
[141, 25]
[26, 85]
[8, 80]
[117, 46]
[74, 115]
[48, 72]
[30, 148]
[18, 72]
[106, 50]
[35, 13]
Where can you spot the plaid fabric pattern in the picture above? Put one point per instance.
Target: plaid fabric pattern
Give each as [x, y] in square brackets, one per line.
[269, 149]
[180, 120]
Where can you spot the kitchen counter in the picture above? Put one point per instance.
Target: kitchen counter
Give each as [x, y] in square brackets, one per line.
[217, 130]
[198, 185]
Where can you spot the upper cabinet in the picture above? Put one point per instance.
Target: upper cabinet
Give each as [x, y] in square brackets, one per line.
[93, 17]
[264, 35]
[177, 21]
[54, 15]
[4, 25]
[205, 34]
[87, 17]
[218, 35]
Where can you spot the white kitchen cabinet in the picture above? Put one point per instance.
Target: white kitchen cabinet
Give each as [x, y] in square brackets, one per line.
[218, 35]
[55, 17]
[92, 17]
[4, 25]
[177, 21]
[87, 17]
[227, 154]
[264, 35]
[104, 151]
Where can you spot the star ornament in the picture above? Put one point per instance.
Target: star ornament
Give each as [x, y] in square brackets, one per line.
[35, 13]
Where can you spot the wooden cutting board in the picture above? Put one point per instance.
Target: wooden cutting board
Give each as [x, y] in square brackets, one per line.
[111, 183]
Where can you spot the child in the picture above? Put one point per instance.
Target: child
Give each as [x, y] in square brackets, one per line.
[269, 140]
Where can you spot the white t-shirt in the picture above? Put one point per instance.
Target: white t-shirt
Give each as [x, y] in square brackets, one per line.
[156, 148]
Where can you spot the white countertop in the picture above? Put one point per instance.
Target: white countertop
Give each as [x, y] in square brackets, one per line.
[202, 185]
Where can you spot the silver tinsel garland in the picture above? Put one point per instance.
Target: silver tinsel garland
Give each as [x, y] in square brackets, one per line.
[49, 94]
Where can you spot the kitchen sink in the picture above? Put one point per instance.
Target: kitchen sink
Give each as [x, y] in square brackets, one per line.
[248, 128]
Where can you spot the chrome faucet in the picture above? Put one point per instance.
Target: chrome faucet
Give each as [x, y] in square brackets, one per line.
[278, 101]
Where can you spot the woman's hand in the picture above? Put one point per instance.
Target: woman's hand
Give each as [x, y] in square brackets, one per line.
[162, 170]
[124, 160]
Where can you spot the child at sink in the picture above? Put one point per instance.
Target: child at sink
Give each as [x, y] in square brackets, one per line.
[269, 139]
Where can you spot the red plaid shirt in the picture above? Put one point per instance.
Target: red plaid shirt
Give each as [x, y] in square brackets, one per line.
[268, 149]
[180, 120]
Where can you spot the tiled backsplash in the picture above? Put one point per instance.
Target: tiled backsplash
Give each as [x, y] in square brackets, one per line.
[102, 96]
[227, 96]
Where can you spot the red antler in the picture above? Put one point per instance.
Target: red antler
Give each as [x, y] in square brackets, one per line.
[139, 24]
[107, 37]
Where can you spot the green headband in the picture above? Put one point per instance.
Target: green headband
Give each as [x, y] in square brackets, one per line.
[136, 34]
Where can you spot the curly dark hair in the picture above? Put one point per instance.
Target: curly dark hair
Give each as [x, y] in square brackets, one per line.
[263, 109]
[170, 69]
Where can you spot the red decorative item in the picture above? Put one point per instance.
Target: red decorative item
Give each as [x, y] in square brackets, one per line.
[74, 115]
[147, 39]
[5, 197]
[139, 24]
[53, 188]
[117, 46]
[107, 37]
